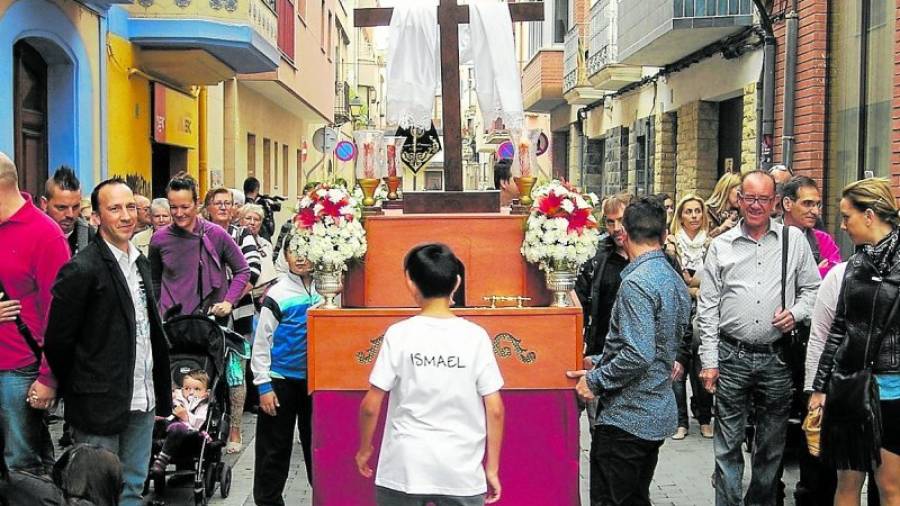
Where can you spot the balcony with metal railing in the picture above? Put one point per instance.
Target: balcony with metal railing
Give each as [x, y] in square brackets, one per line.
[604, 69]
[220, 38]
[342, 103]
[660, 32]
[577, 90]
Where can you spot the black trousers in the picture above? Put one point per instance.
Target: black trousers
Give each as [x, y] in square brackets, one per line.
[275, 438]
[622, 467]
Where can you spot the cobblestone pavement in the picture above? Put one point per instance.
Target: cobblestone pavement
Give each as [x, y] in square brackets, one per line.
[682, 476]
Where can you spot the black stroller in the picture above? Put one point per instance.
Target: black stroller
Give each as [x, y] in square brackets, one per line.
[198, 342]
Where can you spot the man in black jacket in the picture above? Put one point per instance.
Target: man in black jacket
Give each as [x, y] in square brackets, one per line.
[106, 343]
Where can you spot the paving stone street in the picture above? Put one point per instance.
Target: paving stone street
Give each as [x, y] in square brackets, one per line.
[682, 476]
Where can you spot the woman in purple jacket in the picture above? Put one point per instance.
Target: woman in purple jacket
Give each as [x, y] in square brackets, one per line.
[188, 259]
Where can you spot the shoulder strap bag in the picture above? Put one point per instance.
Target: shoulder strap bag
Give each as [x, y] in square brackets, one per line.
[24, 330]
[851, 424]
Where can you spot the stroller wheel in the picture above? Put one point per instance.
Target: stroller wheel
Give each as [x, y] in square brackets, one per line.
[225, 481]
[209, 480]
[200, 498]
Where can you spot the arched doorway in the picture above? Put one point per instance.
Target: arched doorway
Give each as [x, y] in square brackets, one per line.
[30, 117]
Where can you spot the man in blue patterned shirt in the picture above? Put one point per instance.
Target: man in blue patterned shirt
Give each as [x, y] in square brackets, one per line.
[632, 377]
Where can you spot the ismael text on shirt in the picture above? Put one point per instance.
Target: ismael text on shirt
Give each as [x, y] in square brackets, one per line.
[438, 361]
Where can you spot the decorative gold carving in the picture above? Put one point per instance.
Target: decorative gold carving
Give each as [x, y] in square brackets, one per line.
[524, 356]
[367, 356]
[494, 299]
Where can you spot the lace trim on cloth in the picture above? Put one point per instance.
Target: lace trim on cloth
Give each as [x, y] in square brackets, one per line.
[413, 65]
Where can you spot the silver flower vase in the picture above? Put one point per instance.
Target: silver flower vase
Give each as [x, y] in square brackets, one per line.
[329, 283]
[561, 281]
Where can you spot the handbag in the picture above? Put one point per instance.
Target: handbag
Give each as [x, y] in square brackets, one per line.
[852, 408]
[812, 427]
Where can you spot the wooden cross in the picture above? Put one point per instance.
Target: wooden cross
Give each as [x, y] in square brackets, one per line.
[450, 14]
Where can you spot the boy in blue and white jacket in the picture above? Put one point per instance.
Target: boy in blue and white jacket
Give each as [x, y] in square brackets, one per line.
[279, 372]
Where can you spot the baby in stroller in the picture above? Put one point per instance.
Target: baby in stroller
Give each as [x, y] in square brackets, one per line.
[191, 403]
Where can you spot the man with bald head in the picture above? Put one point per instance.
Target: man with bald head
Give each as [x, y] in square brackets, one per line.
[743, 324]
[62, 203]
[32, 250]
[144, 216]
[781, 174]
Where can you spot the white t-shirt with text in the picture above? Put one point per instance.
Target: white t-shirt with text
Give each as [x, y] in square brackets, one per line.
[437, 370]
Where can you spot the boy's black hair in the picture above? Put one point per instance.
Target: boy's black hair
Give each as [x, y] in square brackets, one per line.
[63, 179]
[502, 171]
[433, 268]
[645, 221]
[95, 195]
[183, 181]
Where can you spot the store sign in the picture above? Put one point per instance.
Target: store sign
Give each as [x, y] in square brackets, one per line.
[174, 117]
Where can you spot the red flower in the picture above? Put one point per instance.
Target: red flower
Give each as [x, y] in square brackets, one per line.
[306, 218]
[579, 220]
[550, 205]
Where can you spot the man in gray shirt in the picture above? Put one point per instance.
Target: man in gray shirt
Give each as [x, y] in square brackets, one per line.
[743, 351]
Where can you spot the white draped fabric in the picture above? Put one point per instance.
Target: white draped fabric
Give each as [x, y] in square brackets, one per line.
[413, 65]
[497, 80]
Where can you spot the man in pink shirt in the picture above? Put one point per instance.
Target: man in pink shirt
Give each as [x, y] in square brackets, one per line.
[32, 250]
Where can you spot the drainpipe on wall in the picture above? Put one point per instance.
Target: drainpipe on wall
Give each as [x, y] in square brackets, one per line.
[202, 148]
[792, 25]
[767, 131]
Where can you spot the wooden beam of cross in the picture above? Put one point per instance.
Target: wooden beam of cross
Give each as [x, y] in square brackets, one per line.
[450, 14]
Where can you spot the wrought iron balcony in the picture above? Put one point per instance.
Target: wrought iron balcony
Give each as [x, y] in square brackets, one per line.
[576, 88]
[604, 69]
[342, 103]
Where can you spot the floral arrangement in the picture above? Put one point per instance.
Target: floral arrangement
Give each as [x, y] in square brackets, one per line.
[327, 229]
[561, 229]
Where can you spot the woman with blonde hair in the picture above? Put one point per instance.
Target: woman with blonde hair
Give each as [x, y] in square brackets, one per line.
[858, 378]
[722, 205]
[687, 242]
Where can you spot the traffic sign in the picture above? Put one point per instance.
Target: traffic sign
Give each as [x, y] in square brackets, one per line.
[506, 151]
[345, 151]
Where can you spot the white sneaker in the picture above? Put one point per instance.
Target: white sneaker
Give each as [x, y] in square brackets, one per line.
[680, 434]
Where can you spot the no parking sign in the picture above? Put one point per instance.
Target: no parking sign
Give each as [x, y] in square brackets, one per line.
[345, 151]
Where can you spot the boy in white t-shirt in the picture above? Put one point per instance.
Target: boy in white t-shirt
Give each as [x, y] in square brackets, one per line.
[445, 400]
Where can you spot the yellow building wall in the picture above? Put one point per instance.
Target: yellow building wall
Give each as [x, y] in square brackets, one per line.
[130, 118]
[266, 120]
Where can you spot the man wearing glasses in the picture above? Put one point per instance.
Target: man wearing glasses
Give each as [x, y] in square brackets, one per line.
[742, 325]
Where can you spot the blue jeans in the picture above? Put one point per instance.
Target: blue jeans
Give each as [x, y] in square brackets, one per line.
[764, 380]
[24, 430]
[133, 446]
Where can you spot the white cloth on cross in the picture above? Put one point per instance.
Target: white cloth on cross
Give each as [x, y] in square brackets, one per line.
[492, 52]
[413, 65]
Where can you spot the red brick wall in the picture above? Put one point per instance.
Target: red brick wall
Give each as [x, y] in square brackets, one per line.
[895, 116]
[810, 92]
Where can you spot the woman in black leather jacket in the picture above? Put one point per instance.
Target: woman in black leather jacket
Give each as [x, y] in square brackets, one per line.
[871, 284]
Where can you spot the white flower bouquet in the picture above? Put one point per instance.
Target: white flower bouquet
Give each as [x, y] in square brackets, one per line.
[561, 231]
[327, 229]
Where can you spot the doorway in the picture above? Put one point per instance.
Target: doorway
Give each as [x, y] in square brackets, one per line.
[30, 117]
[166, 162]
[731, 129]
